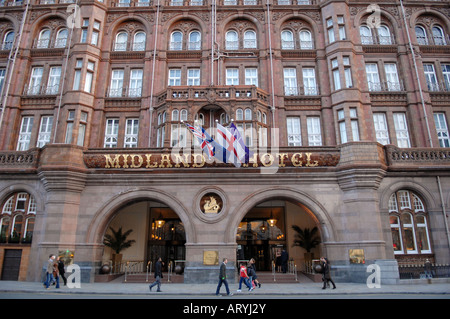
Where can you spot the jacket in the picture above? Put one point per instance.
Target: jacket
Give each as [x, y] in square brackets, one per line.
[223, 271]
[158, 269]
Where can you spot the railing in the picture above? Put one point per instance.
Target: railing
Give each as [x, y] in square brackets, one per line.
[387, 86]
[133, 267]
[423, 272]
[292, 269]
[124, 92]
[301, 90]
[38, 90]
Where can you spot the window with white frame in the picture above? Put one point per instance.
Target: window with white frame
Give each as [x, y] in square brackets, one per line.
[430, 77]
[445, 74]
[421, 35]
[131, 133]
[232, 76]
[176, 41]
[342, 127]
[287, 40]
[53, 80]
[250, 39]
[314, 131]
[347, 72]
[135, 87]
[25, 133]
[373, 78]
[354, 123]
[330, 30]
[61, 38]
[341, 27]
[442, 129]
[309, 81]
[195, 40]
[116, 87]
[401, 130]
[293, 131]
[89, 77]
[43, 39]
[381, 128]
[290, 81]
[45, 131]
[193, 77]
[231, 40]
[139, 41]
[2, 77]
[161, 130]
[111, 133]
[392, 81]
[82, 128]
[335, 73]
[251, 76]
[77, 75]
[306, 42]
[174, 77]
[409, 226]
[34, 87]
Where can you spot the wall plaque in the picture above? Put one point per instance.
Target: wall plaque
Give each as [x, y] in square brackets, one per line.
[210, 257]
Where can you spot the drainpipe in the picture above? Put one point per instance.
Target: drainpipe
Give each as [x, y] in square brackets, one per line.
[153, 77]
[11, 63]
[443, 210]
[417, 74]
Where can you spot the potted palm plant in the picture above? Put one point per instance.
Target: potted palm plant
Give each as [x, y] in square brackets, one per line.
[117, 241]
[307, 239]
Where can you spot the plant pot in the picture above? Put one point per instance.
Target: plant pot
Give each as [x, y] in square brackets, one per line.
[116, 261]
[309, 257]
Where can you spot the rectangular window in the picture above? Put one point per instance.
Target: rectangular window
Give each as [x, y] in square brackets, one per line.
[330, 30]
[442, 129]
[373, 79]
[53, 80]
[135, 88]
[401, 130]
[445, 73]
[82, 128]
[25, 133]
[131, 133]
[341, 26]
[290, 81]
[116, 87]
[251, 76]
[309, 81]
[294, 132]
[2, 78]
[392, 81]
[354, 124]
[232, 76]
[69, 127]
[174, 77]
[381, 128]
[342, 128]
[34, 87]
[347, 72]
[111, 133]
[193, 77]
[45, 131]
[430, 77]
[314, 132]
[89, 77]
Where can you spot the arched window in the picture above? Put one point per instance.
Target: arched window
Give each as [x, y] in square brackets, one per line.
[61, 38]
[248, 114]
[176, 41]
[239, 115]
[16, 228]
[175, 115]
[195, 40]
[421, 35]
[366, 35]
[139, 41]
[121, 41]
[8, 40]
[384, 35]
[409, 227]
[4, 226]
[250, 39]
[43, 39]
[183, 115]
[232, 40]
[438, 35]
[306, 40]
[287, 40]
[199, 119]
[29, 229]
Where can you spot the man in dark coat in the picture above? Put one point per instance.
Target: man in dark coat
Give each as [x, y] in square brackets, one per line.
[223, 278]
[158, 275]
[326, 277]
[284, 260]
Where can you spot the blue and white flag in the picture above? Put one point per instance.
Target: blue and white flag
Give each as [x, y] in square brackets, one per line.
[206, 142]
[242, 151]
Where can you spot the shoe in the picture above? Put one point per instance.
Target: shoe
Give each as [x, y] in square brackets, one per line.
[259, 285]
[158, 291]
[218, 295]
[251, 289]
[239, 290]
[334, 287]
[324, 288]
[230, 294]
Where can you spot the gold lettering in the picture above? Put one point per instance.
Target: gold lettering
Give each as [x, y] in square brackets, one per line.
[308, 161]
[271, 159]
[148, 156]
[112, 162]
[296, 162]
[165, 158]
[179, 159]
[125, 160]
[253, 159]
[140, 160]
[195, 164]
[282, 157]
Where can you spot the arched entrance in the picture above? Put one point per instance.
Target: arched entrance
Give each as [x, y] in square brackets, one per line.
[156, 229]
[266, 231]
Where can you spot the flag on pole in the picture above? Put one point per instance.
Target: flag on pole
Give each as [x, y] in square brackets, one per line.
[206, 142]
[242, 151]
[226, 140]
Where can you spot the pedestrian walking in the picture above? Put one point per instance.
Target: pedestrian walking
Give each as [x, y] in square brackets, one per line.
[158, 275]
[223, 278]
[244, 278]
[326, 276]
[61, 270]
[252, 272]
[49, 271]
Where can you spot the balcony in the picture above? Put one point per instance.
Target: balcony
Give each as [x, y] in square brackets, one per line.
[417, 158]
[212, 94]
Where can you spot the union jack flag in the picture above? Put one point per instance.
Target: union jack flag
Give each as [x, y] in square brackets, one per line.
[206, 141]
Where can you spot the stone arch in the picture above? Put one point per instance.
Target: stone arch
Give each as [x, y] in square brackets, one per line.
[108, 211]
[319, 212]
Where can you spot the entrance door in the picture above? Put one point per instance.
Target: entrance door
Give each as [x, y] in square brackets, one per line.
[11, 264]
[259, 250]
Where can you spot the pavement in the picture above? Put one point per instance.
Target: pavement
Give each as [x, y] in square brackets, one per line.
[437, 287]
